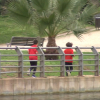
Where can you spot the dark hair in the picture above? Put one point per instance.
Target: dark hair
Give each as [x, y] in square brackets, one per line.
[69, 44]
[35, 41]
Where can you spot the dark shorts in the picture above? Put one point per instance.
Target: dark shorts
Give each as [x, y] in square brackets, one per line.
[33, 63]
[68, 67]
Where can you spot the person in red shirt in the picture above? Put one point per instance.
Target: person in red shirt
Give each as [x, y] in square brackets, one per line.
[33, 63]
[68, 58]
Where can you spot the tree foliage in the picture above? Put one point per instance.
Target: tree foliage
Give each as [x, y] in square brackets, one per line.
[3, 6]
[52, 17]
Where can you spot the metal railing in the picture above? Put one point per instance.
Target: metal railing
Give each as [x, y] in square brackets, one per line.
[78, 65]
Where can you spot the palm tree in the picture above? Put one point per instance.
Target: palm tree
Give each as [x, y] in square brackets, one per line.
[52, 17]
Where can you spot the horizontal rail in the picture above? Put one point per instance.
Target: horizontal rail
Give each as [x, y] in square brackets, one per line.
[52, 71]
[89, 70]
[10, 60]
[73, 65]
[52, 60]
[32, 54]
[32, 71]
[47, 47]
[9, 72]
[74, 71]
[89, 65]
[9, 55]
[30, 60]
[90, 54]
[30, 66]
[89, 59]
[10, 67]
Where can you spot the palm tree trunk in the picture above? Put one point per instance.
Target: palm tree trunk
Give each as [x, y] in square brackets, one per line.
[51, 43]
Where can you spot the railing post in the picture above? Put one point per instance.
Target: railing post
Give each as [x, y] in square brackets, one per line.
[80, 61]
[42, 58]
[20, 63]
[97, 61]
[62, 68]
[0, 65]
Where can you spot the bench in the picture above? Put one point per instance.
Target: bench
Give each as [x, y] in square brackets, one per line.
[25, 41]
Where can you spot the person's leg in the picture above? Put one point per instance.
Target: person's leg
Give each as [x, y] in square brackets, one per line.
[28, 72]
[31, 63]
[71, 67]
[67, 68]
[34, 68]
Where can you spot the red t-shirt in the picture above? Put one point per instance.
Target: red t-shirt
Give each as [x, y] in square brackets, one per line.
[68, 57]
[33, 51]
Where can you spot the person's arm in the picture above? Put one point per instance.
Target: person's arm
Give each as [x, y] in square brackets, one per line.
[64, 52]
[72, 53]
[36, 52]
[28, 51]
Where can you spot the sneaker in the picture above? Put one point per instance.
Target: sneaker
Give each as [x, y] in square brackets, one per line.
[33, 76]
[69, 74]
[28, 72]
[66, 74]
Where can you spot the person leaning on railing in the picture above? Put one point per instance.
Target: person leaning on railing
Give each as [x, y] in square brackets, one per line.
[68, 59]
[33, 63]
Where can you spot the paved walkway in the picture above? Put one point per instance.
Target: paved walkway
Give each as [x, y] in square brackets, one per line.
[88, 40]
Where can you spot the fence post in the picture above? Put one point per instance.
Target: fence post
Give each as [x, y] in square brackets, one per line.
[0, 65]
[42, 58]
[80, 61]
[97, 61]
[20, 62]
[62, 68]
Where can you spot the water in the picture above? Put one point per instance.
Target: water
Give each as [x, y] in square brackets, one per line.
[71, 96]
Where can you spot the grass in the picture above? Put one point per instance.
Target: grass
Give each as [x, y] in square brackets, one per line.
[9, 28]
[51, 63]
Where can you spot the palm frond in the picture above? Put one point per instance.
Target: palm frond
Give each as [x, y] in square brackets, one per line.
[19, 10]
[87, 13]
[78, 29]
[40, 5]
[64, 6]
[79, 5]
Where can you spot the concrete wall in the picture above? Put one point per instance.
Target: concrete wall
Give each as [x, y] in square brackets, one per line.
[19, 86]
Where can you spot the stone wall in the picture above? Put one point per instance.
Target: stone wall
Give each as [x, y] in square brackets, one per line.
[19, 86]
